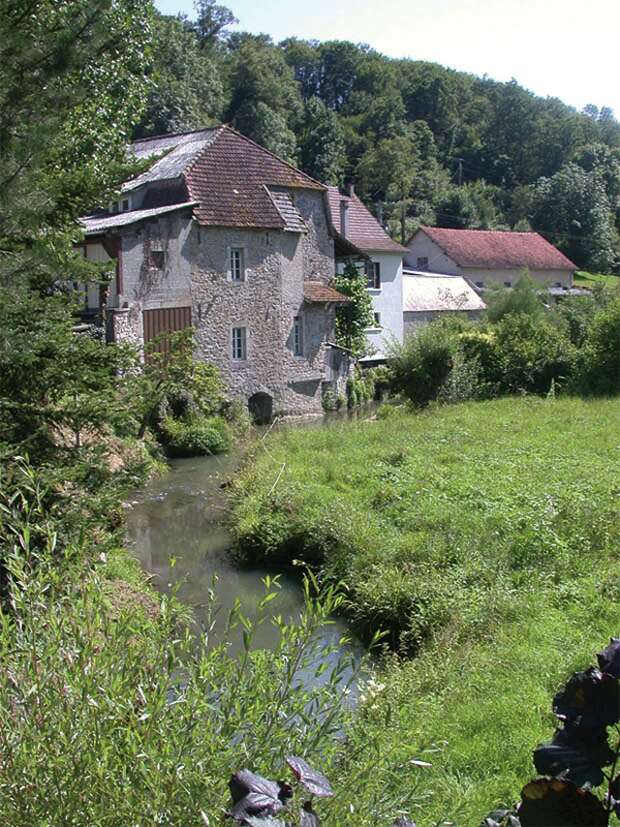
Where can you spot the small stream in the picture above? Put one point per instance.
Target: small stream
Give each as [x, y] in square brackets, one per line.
[184, 515]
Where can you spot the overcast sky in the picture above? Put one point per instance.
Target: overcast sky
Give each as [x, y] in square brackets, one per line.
[568, 49]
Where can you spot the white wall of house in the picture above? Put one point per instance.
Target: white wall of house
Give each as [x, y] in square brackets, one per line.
[95, 252]
[487, 277]
[422, 247]
[387, 301]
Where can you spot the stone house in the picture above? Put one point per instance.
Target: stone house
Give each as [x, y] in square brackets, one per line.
[490, 257]
[428, 296]
[220, 234]
[383, 265]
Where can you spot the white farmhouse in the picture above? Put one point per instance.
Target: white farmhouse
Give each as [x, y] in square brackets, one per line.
[490, 257]
[384, 268]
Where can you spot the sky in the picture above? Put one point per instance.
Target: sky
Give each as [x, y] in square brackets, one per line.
[568, 49]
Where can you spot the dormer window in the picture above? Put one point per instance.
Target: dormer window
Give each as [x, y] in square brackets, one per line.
[125, 205]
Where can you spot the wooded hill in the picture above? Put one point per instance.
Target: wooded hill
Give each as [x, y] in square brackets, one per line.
[424, 144]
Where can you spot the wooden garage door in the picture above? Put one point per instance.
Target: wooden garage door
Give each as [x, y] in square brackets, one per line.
[165, 320]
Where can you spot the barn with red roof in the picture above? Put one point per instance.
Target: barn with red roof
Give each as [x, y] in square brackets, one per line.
[490, 257]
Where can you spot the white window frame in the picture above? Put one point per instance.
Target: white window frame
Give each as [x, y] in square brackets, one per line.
[376, 321]
[236, 275]
[298, 336]
[239, 344]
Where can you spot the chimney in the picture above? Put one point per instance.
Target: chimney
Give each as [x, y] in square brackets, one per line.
[344, 218]
[349, 187]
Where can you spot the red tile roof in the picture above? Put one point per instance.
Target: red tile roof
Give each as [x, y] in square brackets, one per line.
[316, 291]
[229, 178]
[495, 248]
[363, 228]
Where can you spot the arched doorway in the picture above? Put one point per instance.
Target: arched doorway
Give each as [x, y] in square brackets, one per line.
[260, 406]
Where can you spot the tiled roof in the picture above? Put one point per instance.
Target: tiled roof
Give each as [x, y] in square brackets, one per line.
[293, 221]
[426, 292]
[229, 180]
[316, 291]
[495, 248]
[363, 228]
[102, 222]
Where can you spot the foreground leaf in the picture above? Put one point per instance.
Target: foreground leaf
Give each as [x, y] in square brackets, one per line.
[552, 802]
[609, 658]
[314, 781]
[575, 754]
[591, 699]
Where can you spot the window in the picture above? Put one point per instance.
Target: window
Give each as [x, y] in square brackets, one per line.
[479, 284]
[237, 269]
[422, 263]
[558, 284]
[125, 205]
[157, 259]
[507, 284]
[297, 336]
[239, 344]
[373, 275]
[377, 319]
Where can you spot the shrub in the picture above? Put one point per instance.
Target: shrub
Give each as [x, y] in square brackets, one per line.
[599, 360]
[527, 297]
[532, 352]
[332, 400]
[420, 366]
[195, 436]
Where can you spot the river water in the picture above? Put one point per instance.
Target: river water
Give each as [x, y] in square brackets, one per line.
[183, 515]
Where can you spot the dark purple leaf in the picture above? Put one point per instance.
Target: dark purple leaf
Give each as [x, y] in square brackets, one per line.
[575, 755]
[308, 817]
[313, 781]
[590, 699]
[552, 802]
[609, 658]
[403, 821]
[254, 795]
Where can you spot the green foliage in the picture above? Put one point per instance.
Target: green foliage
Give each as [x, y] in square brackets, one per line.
[185, 89]
[420, 366]
[195, 436]
[532, 353]
[56, 385]
[599, 360]
[353, 318]
[525, 297]
[322, 149]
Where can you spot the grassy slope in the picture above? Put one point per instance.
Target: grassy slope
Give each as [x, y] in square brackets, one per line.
[488, 531]
[585, 279]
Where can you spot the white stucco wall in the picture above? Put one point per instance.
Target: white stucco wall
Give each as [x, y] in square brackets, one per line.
[387, 301]
[421, 246]
[94, 251]
[489, 276]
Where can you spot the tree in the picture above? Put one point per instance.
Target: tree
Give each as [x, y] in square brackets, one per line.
[264, 100]
[573, 210]
[211, 22]
[353, 318]
[71, 87]
[185, 88]
[322, 149]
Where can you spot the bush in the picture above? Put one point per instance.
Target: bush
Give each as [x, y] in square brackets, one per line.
[532, 353]
[527, 297]
[420, 366]
[195, 436]
[599, 360]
